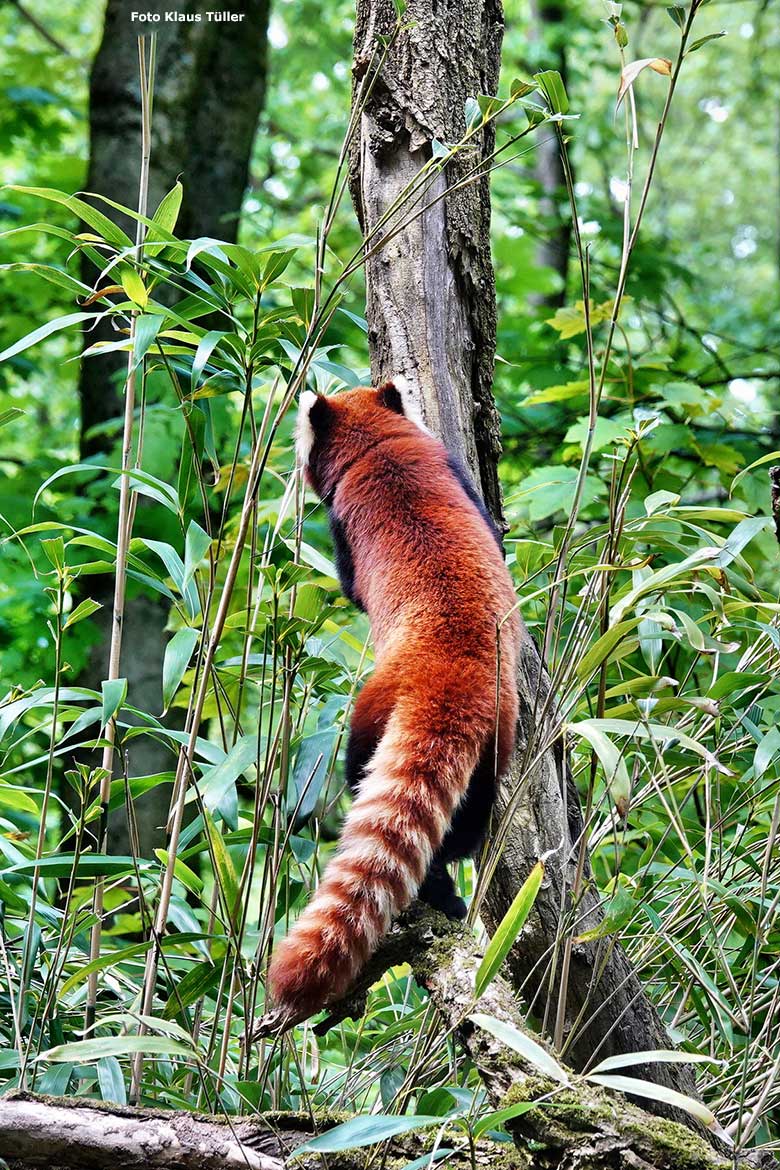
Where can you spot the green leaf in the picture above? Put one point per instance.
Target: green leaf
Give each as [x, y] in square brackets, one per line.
[89, 865]
[519, 88]
[54, 550]
[105, 227]
[113, 958]
[607, 432]
[610, 757]
[509, 928]
[206, 347]
[114, 694]
[83, 610]
[177, 656]
[527, 1047]
[224, 869]
[703, 41]
[365, 1131]
[9, 415]
[659, 1093]
[551, 85]
[619, 911]
[310, 770]
[164, 217]
[134, 286]
[217, 781]
[603, 647]
[147, 326]
[651, 1056]
[111, 1081]
[741, 536]
[472, 112]
[54, 326]
[197, 543]
[772, 457]
[198, 981]
[678, 15]
[141, 481]
[501, 1116]
[99, 1047]
[560, 393]
[488, 105]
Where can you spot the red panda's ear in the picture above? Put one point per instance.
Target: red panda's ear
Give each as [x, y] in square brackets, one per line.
[390, 396]
[313, 410]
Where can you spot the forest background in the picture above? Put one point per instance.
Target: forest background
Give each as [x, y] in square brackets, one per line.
[682, 815]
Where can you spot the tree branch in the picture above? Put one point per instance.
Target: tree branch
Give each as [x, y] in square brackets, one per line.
[72, 1134]
[577, 1126]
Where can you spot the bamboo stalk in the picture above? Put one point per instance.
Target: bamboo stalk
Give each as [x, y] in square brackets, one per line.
[124, 521]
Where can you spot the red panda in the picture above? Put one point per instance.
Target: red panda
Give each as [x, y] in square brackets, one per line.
[434, 726]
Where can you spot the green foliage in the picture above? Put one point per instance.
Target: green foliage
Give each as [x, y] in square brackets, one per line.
[639, 539]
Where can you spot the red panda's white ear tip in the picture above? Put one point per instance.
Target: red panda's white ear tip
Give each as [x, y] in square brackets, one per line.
[304, 432]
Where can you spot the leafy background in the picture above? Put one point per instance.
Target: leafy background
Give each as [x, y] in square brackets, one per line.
[664, 649]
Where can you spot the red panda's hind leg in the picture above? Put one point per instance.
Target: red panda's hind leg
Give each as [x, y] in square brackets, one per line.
[438, 890]
[463, 839]
[369, 718]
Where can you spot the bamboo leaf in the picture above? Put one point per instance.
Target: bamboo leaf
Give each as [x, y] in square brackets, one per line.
[165, 217]
[527, 1047]
[509, 928]
[631, 71]
[704, 40]
[177, 656]
[669, 1096]
[114, 694]
[98, 1047]
[365, 1131]
[83, 610]
[110, 1080]
[54, 326]
[652, 1056]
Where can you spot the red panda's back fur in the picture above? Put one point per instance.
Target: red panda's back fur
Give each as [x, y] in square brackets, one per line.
[433, 582]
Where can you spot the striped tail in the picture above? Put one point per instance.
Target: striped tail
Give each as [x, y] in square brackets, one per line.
[405, 804]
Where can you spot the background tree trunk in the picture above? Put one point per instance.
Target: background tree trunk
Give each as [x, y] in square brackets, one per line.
[553, 249]
[209, 90]
[431, 316]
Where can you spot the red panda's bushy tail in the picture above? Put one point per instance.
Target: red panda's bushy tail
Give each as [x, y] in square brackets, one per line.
[406, 802]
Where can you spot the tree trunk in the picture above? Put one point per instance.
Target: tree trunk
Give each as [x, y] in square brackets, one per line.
[431, 316]
[553, 250]
[431, 293]
[209, 90]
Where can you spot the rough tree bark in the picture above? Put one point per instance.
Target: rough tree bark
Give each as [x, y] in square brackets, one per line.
[431, 315]
[209, 90]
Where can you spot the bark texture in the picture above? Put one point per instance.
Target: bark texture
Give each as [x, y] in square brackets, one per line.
[69, 1134]
[431, 317]
[209, 90]
[431, 292]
